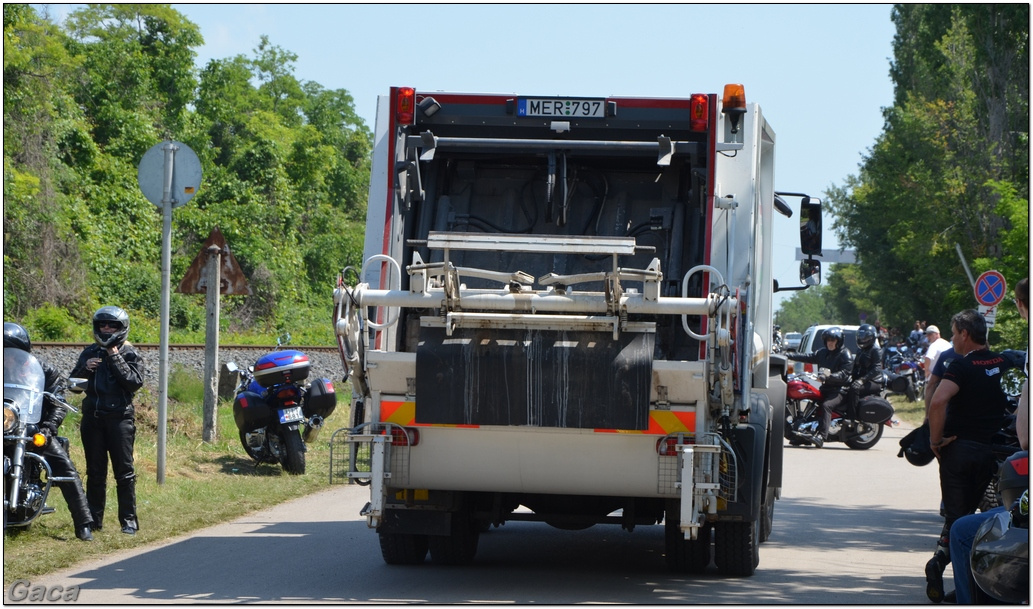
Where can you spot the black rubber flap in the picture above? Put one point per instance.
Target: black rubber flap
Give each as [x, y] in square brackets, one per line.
[538, 378]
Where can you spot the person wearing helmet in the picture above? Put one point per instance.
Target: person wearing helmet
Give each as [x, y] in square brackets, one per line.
[867, 369]
[54, 412]
[836, 359]
[961, 434]
[114, 372]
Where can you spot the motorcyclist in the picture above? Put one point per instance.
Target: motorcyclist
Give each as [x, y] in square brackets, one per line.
[867, 369]
[54, 412]
[835, 365]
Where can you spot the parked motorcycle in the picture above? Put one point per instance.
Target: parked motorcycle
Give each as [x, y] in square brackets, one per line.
[904, 362]
[1000, 549]
[27, 475]
[802, 399]
[277, 413]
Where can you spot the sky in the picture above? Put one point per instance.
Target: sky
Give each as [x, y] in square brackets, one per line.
[820, 72]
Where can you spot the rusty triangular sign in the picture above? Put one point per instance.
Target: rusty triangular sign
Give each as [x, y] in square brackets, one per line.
[231, 277]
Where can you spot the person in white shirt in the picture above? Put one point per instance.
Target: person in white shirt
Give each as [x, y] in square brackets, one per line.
[937, 346]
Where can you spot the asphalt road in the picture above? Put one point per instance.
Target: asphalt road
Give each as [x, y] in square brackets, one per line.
[852, 527]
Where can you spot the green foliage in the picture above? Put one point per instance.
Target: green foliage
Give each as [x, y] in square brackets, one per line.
[806, 308]
[49, 323]
[950, 169]
[285, 166]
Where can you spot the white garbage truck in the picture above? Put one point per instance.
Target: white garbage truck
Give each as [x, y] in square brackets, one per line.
[564, 315]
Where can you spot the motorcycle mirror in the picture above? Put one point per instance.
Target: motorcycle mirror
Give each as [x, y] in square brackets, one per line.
[77, 385]
[810, 272]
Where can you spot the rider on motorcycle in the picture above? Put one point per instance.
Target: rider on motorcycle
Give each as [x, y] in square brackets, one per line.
[836, 359]
[867, 369]
[16, 337]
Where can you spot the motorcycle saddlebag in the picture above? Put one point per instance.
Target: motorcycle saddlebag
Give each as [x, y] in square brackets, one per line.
[899, 382]
[320, 400]
[874, 410]
[281, 367]
[251, 411]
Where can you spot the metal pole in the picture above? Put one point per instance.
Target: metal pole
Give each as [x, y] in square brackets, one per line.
[166, 272]
[211, 343]
[968, 272]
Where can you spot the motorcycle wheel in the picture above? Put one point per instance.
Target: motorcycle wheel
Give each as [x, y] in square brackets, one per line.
[250, 452]
[293, 461]
[867, 439]
[911, 393]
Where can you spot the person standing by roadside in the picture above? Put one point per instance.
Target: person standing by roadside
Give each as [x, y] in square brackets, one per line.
[963, 531]
[115, 372]
[937, 345]
[966, 410]
[54, 412]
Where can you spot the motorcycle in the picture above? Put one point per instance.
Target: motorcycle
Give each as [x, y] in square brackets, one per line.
[802, 399]
[903, 361]
[276, 412]
[27, 475]
[1000, 549]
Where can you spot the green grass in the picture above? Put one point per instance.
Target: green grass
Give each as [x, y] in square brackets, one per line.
[205, 484]
[910, 412]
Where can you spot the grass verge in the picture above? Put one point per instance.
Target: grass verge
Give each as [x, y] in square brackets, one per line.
[205, 483]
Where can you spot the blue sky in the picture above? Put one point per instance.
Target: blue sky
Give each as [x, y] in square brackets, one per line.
[819, 71]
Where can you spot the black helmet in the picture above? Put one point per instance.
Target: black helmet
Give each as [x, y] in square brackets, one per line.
[834, 333]
[16, 337]
[915, 446]
[110, 315]
[866, 335]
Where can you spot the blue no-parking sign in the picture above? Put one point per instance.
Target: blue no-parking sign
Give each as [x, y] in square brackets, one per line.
[990, 288]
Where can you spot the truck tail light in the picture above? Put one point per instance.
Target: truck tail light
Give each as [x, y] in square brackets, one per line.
[699, 111]
[405, 105]
[402, 436]
[667, 446]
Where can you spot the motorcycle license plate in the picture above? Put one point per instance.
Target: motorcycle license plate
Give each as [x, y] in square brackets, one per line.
[290, 415]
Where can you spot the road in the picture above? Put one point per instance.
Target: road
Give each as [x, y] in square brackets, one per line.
[851, 527]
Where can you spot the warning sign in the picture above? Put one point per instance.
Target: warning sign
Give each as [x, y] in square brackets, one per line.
[231, 278]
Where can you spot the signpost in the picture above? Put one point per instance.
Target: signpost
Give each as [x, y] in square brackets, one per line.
[167, 180]
[990, 289]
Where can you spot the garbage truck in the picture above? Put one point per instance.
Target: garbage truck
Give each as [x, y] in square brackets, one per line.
[564, 315]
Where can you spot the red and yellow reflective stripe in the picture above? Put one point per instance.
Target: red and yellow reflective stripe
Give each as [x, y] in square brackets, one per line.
[661, 422]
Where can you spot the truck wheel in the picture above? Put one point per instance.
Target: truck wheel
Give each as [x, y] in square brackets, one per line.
[736, 550]
[294, 453]
[767, 514]
[683, 555]
[460, 547]
[867, 439]
[403, 549]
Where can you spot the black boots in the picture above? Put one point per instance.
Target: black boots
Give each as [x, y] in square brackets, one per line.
[934, 575]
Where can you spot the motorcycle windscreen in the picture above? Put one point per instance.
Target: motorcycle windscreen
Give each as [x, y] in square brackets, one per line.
[534, 377]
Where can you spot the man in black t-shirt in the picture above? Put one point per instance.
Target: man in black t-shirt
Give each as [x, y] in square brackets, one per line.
[966, 410]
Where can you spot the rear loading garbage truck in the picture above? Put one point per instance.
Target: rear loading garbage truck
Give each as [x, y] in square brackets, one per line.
[564, 315]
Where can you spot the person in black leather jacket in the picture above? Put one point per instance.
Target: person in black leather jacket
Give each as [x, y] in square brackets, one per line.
[867, 369]
[54, 412]
[115, 372]
[837, 360]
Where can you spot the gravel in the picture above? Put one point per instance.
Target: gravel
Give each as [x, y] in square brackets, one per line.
[324, 363]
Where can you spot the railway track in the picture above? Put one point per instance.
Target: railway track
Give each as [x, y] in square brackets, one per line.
[195, 346]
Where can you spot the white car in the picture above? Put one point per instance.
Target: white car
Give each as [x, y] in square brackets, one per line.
[811, 342]
[792, 341]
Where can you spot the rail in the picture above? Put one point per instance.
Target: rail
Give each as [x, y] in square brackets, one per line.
[191, 346]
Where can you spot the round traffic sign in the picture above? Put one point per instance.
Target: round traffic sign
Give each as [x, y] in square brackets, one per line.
[186, 173]
[990, 288]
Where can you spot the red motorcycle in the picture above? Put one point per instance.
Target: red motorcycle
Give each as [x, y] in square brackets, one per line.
[802, 399]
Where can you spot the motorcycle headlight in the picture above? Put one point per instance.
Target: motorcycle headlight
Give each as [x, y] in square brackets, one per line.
[10, 419]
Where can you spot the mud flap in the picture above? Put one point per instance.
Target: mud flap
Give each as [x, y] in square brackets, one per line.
[534, 377]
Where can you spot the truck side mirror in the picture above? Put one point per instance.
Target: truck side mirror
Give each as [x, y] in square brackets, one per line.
[810, 272]
[810, 227]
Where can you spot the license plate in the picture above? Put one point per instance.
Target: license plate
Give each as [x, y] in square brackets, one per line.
[561, 108]
[290, 415]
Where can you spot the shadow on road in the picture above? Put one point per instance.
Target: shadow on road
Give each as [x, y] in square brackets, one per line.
[339, 561]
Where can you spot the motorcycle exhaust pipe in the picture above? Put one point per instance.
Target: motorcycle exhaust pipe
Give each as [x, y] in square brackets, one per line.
[312, 428]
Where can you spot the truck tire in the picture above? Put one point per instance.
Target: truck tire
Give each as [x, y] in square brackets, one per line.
[456, 549]
[767, 514]
[403, 549]
[684, 555]
[736, 551]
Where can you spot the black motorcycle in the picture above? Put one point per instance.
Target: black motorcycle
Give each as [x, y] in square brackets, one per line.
[277, 412]
[27, 475]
